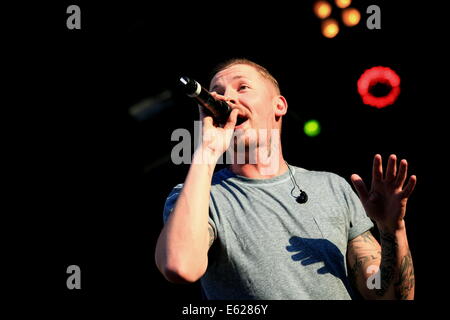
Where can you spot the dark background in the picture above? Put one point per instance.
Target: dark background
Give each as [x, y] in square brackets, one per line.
[93, 180]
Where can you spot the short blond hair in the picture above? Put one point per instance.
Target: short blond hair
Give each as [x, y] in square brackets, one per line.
[263, 71]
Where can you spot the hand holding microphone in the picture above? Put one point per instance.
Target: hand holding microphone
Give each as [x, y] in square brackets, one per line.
[219, 109]
[215, 140]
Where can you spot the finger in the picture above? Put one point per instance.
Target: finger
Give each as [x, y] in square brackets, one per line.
[377, 171]
[201, 112]
[391, 169]
[402, 172]
[208, 122]
[293, 248]
[322, 270]
[204, 112]
[409, 187]
[300, 256]
[360, 187]
[206, 119]
[310, 260]
[217, 96]
[296, 242]
[232, 119]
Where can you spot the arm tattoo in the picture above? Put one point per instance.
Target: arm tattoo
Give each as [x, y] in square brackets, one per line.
[388, 261]
[361, 261]
[356, 269]
[364, 238]
[400, 277]
[211, 235]
[367, 237]
[406, 280]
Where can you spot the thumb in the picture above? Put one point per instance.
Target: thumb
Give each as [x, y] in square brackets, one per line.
[232, 119]
[360, 187]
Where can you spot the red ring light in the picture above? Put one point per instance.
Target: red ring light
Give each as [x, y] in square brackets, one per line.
[374, 76]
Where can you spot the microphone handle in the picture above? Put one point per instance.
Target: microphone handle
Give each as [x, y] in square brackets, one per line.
[219, 109]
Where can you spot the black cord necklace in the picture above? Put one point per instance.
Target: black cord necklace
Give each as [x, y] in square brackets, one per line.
[303, 197]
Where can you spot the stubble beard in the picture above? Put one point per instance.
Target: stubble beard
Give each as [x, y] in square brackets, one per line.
[249, 148]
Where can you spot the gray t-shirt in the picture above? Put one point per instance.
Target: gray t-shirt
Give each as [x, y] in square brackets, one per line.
[268, 246]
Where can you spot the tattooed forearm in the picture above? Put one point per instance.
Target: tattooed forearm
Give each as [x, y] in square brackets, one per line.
[358, 268]
[388, 261]
[406, 279]
[363, 252]
[365, 237]
[392, 262]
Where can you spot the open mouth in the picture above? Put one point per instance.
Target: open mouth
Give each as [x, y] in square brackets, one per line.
[241, 120]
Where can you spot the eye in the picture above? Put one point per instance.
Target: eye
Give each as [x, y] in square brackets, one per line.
[243, 87]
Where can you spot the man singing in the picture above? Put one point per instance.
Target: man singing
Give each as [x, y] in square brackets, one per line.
[265, 229]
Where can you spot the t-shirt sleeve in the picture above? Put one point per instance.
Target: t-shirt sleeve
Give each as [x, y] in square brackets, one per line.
[359, 221]
[170, 204]
[170, 201]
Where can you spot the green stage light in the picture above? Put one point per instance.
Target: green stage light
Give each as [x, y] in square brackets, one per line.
[312, 128]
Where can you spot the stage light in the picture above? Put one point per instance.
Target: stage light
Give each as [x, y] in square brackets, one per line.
[330, 28]
[151, 106]
[379, 76]
[343, 3]
[322, 9]
[311, 128]
[351, 17]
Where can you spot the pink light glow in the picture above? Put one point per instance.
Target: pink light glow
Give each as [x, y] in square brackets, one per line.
[376, 75]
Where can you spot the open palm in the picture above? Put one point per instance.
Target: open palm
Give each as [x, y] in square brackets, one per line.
[385, 202]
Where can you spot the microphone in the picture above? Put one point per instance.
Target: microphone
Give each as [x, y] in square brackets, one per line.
[220, 109]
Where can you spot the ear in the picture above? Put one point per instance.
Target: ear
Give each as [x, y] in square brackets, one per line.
[280, 106]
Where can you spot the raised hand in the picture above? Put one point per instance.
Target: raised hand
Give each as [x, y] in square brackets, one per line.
[385, 202]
